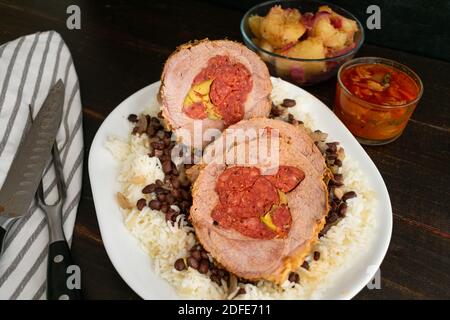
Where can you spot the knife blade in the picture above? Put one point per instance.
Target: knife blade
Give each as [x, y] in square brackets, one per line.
[19, 188]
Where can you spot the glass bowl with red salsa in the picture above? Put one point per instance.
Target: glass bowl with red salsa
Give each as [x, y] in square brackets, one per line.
[375, 98]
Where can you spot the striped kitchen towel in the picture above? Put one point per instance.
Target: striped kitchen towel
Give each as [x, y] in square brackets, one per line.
[29, 66]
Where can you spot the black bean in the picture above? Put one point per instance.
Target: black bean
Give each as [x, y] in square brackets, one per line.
[176, 193]
[324, 230]
[185, 204]
[348, 195]
[161, 197]
[159, 183]
[185, 194]
[170, 199]
[331, 149]
[215, 278]
[221, 273]
[214, 270]
[333, 206]
[204, 254]
[167, 166]
[140, 204]
[196, 254]
[176, 183]
[338, 163]
[305, 265]
[166, 153]
[332, 217]
[164, 208]
[338, 177]
[334, 182]
[316, 255]
[331, 156]
[151, 131]
[155, 121]
[166, 141]
[276, 112]
[185, 183]
[161, 190]
[294, 277]
[241, 291]
[215, 223]
[149, 189]
[157, 145]
[342, 209]
[288, 103]
[133, 118]
[155, 204]
[169, 216]
[180, 265]
[204, 266]
[193, 263]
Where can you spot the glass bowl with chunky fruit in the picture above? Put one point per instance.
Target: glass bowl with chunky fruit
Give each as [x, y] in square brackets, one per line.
[303, 42]
[375, 98]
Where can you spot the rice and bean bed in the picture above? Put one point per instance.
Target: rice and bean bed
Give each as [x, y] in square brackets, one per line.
[155, 201]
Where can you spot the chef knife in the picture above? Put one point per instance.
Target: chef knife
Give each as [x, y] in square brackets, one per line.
[19, 188]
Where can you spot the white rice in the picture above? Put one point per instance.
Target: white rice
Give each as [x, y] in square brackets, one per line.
[165, 243]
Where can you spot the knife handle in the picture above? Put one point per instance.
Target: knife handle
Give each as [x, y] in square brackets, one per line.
[63, 276]
[2, 238]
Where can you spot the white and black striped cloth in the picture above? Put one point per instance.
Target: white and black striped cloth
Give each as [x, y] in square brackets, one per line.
[29, 66]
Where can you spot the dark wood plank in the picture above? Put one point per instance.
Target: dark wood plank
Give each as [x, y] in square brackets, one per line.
[121, 48]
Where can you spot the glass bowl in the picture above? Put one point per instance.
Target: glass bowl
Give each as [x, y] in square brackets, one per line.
[371, 123]
[302, 72]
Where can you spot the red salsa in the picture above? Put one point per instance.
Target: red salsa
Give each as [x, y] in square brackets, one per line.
[381, 100]
[380, 84]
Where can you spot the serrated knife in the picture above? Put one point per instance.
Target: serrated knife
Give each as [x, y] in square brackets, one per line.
[19, 188]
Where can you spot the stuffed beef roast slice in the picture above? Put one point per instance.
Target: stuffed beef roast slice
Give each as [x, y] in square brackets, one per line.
[270, 259]
[215, 82]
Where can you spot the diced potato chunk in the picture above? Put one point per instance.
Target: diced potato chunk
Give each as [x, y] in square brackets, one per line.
[282, 27]
[254, 22]
[311, 48]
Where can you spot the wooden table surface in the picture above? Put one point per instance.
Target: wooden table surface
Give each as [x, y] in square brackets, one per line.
[121, 48]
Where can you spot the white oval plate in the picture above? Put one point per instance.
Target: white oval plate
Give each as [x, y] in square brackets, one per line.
[134, 265]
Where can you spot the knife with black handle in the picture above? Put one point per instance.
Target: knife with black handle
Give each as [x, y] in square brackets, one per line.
[24, 176]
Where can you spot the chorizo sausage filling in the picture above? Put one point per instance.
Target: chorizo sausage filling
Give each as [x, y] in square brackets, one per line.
[219, 91]
[256, 205]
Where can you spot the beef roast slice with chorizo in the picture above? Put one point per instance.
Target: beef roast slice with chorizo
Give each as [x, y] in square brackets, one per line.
[216, 83]
[270, 259]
